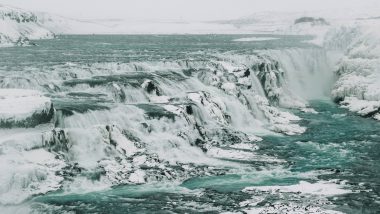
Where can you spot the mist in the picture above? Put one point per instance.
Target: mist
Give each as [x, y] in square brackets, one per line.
[185, 10]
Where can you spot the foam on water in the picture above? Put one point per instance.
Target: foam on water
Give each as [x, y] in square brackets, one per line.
[199, 119]
[254, 39]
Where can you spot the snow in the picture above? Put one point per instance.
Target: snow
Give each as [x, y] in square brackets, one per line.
[96, 143]
[292, 208]
[297, 198]
[18, 26]
[358, 83]
[245, 146]
[356, 41]
[324, 188]
[362, 107]
[43, 25]
[137, 177]
[259, 23]
[159, 99]
[28, 173]
[20, 104]
[214, 105]
[122, 143]
[233, 154]
[288, 129]
[376, 116]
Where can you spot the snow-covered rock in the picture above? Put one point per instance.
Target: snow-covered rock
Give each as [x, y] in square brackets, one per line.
[303, 197]
[28, 173]
[24, 108]
[358, 83]
[328, 188]
[27, 169]
[362, 107]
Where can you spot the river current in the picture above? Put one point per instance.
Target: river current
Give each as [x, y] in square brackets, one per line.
[185, 124]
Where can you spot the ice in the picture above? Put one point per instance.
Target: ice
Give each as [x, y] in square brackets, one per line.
[169, 124]
[137, 177]
[291, 209]
[21, 104]
[323, 188]
[358, 83]
[28, 173]
[298, 198]
[362, 107]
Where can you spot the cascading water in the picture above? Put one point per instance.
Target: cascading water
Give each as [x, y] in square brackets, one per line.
[128, 111]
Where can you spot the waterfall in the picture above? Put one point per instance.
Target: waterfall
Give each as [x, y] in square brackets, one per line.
[140, 122]
[309, 73]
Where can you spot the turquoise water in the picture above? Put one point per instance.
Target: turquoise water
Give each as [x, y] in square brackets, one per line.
[122, 49]
[336, 141]
[79, 73]
[340, 143]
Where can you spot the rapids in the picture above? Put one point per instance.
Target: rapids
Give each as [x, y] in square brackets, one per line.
[182, 124]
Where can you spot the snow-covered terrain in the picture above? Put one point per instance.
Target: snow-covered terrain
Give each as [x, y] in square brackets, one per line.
[150, 120]
[18, 27]
[352, 38]
[178, 116]
[358, 84]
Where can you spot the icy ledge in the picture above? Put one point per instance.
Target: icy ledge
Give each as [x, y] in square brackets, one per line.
[358, 85]
[303, 197]
[24, 108]
[319, 188]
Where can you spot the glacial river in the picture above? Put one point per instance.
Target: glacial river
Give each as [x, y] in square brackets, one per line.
[185, 124]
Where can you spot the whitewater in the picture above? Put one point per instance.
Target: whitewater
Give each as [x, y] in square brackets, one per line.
[284, 121]
[191, 123]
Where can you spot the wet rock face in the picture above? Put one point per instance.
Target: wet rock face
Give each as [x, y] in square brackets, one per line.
[214, 107]
[22, 41]
[128, 162]
[189, 110]
[247, 73]
[189, 72]
[266, 70]
[56, 141]
[151, 87]
[312, 20]
[118, 153]
[270, 77]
